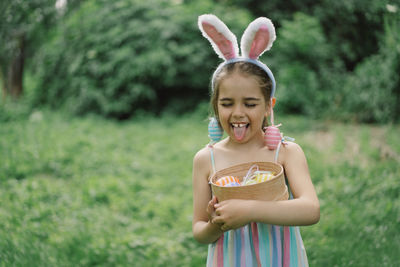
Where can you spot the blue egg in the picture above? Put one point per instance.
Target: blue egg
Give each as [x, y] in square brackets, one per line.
[232, 184]
[214, 130]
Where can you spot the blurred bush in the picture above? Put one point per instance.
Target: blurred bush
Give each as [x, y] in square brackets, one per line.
[312, 78]
[346, 23]
[124, 57]
[372, 92]
[330, 57]
[301, 54]
[117, 57]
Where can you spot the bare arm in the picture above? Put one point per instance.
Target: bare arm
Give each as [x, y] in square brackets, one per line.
[303, 209]
[203, 229]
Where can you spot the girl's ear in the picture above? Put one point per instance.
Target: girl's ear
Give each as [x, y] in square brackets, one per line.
[270, 104]
[273, 101]
[257, 38]
[221, 38]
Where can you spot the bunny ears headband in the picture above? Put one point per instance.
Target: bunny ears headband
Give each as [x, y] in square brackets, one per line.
[256, 39]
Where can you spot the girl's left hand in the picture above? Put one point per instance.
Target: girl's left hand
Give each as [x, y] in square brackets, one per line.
[232, 214]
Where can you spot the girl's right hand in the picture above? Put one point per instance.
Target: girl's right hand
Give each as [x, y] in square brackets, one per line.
[211, 209]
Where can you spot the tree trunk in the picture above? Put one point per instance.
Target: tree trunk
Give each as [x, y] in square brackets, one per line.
[16, 69]
[3, 84]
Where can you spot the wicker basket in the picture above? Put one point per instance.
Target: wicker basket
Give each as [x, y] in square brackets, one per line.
[272, 190]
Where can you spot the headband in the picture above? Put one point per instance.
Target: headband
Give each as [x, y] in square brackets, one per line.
[256, 39]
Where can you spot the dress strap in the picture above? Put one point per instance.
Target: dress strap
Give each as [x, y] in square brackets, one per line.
[277, 152]
[212, 158]
[284, 141]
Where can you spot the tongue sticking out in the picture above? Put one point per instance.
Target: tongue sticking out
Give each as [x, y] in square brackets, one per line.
[239, 132]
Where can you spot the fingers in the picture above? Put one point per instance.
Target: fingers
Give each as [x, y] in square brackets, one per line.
[221, 204]
[212, 202]
[218, 220]
[221, 221]
[219, 211]
[225, 228]
[211, 208]
[210, 205]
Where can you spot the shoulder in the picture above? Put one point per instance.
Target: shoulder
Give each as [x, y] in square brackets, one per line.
[202, 156]
[291, 152]
[292, 147]
[202, 162]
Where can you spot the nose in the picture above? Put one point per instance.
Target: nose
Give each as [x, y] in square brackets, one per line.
[238, 111]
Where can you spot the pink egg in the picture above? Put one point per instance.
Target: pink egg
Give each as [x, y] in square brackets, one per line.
[272, 137]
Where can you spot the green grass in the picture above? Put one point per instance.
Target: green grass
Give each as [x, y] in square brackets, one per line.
[94, 192]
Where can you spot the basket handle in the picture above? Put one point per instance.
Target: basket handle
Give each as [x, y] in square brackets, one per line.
[249, 173]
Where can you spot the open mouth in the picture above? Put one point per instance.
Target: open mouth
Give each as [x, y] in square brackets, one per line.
[239, 130]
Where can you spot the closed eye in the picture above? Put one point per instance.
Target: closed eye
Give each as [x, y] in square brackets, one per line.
[251, 102]
[226, 104]
[250, 105]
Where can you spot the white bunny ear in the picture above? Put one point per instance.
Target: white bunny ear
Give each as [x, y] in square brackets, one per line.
[221, 38]
[257, 38]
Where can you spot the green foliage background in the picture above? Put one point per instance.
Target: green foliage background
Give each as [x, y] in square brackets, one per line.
[115, 58]
[336, 60]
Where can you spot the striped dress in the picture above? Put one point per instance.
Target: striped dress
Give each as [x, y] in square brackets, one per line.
[258, 244]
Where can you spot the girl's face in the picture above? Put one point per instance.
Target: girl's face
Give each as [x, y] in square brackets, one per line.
[241, 107]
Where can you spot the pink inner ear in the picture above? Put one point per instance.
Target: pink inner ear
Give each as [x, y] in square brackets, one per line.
[260, 42]
[224, 45]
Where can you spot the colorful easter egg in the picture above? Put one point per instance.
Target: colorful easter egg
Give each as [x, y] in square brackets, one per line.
[272, 137]
[259, 176]
[228, 181]
[214, 130]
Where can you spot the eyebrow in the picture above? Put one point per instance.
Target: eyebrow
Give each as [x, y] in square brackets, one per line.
[246, 99]
[252, 99]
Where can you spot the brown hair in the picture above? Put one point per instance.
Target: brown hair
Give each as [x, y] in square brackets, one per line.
[244, 68]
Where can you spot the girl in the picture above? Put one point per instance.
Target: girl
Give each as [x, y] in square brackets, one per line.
[248, 232]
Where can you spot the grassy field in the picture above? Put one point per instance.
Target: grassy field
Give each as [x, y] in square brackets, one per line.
[94, 192]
